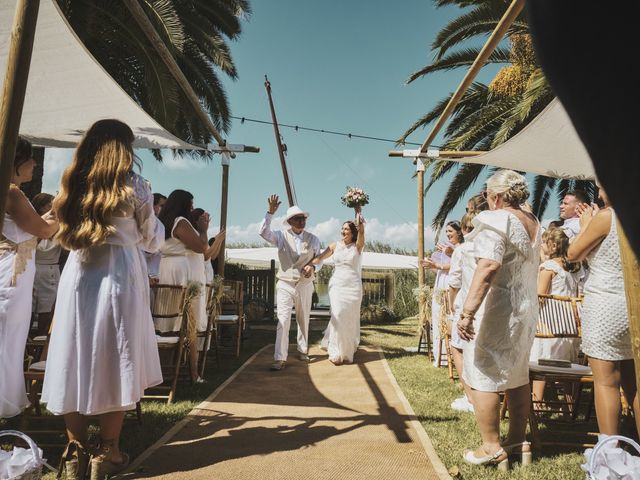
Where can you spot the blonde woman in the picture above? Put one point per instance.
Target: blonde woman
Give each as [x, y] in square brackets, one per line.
[103, 352]
[22, 226]
[496, 358]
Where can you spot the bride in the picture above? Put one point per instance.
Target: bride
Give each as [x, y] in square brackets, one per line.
[342, 336]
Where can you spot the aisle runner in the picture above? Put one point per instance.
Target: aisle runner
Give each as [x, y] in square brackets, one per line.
[309, 421]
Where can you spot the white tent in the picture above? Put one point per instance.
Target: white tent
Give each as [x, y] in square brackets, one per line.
[549, 146]
[68, 90]
[262, 257]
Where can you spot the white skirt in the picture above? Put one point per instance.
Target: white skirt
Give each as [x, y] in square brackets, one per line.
[15, 317]
[342, 336]
[103, 352]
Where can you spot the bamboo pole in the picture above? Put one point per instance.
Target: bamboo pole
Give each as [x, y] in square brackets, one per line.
[223, 211]
[283, 164]
[631, 273]
[161, 49]
[15, 87]
[421, 279]
[445, 153]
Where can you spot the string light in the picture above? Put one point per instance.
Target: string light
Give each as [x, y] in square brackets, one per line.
[320, 130]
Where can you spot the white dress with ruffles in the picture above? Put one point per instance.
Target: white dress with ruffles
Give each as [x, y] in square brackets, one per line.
[15, 317]
[498, 357]
[103, 352]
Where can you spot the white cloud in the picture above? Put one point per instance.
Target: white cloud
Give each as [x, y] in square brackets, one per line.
[401, 235]
[172, 162]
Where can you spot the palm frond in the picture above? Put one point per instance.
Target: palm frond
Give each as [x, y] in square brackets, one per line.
[542, 190]
[465, 177]
[460, 58]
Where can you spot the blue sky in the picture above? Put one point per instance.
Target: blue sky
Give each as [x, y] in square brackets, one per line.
[335, 65]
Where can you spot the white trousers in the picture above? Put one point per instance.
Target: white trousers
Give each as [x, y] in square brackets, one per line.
[289, 295]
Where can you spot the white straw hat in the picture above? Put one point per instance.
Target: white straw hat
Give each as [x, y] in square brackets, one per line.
[292, 212]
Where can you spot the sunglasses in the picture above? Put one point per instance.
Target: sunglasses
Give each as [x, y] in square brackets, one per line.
[298, 218]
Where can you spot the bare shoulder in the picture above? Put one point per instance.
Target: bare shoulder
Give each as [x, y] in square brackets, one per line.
[15, 197]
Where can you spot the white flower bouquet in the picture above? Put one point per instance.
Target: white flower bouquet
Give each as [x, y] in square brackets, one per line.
[355, 197]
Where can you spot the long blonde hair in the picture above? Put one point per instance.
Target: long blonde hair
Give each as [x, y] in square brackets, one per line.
[94, 185]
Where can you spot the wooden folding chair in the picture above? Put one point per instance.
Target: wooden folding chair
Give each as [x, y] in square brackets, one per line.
[209, 336]
[559, 317]
[445, 334]
[231, 311]
[34, 371]
[168, 301]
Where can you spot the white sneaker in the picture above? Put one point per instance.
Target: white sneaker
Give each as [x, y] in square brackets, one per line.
[462, 404]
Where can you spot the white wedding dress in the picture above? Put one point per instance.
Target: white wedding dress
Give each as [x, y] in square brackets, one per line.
[342, 336]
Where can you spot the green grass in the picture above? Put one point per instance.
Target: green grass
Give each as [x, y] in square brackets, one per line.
[427, 388]
[430, 394]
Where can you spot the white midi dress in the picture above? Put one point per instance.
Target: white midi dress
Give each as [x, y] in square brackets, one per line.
[45, 284]
[563, 284]
[605, 320]
[103, 352]
[17, 269]
[342, 336]
[497, 358]
[463, 266]
[180, 266]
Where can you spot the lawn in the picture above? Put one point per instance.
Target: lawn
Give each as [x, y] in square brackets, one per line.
[427, 388]
[430, 394]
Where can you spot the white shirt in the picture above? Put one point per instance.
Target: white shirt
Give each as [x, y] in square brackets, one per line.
[572, 224]
[277, 238]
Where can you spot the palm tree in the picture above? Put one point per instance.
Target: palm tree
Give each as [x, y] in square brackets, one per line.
[196, 33]
[487, 115]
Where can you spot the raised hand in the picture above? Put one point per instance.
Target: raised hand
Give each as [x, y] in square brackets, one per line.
[444, 248]
[203, 222]
[586, 213]
[274, 203]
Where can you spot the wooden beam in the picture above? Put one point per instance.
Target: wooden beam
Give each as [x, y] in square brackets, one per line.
[15, 86]
[442, 153]
[139, 15]
[421, 278]
[223, 212]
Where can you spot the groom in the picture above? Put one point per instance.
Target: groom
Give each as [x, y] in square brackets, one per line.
[296, 249]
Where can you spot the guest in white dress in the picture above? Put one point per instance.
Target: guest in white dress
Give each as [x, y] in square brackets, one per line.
[440, 262]
[342, 336]
[183, 261]
[153, 258]
[22, 226]
[45, 285]
[506, 244]
[103, 352]
[194, 217]
[558, 277]
[606, 339]
[463, 266]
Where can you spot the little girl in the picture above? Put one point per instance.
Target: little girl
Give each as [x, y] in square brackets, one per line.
[557, 277]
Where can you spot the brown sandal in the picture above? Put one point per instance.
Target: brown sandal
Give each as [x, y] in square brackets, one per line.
[102, 468]
[74, 462]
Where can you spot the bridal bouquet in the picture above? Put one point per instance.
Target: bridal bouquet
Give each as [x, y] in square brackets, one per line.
[355, 197]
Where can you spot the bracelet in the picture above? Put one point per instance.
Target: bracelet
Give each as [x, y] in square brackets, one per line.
[470, 315]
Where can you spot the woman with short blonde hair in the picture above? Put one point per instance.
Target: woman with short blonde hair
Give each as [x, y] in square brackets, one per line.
[498, 317]
[103, 352]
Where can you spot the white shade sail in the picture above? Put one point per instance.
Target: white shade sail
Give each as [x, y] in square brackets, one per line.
[262, 257]
[68, 90]
[549, 146]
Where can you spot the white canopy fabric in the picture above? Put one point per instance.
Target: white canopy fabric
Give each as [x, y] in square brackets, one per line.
[262, 257]
[549, 146]
[68, 90]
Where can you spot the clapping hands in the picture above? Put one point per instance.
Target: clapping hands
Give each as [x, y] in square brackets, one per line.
[586, 213]
[203, 222]
[445, 248]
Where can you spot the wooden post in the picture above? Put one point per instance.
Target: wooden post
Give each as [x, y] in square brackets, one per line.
[631, 272]
[421, 298]
[15, 86]
[283, 164]
[223, 209]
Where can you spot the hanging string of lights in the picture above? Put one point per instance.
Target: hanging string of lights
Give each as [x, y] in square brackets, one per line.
[320, 130]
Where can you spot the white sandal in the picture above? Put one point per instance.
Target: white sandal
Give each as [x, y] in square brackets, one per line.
[500, 459]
